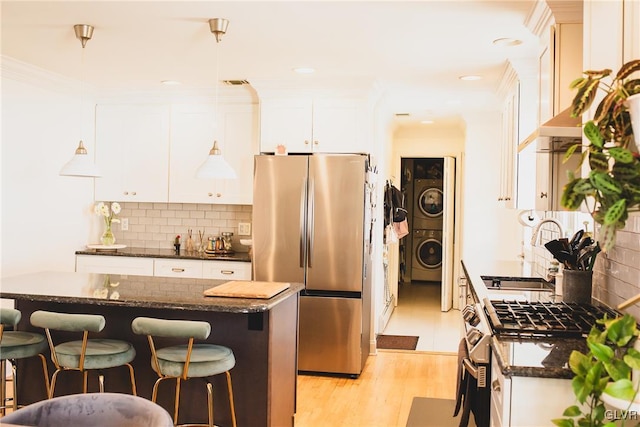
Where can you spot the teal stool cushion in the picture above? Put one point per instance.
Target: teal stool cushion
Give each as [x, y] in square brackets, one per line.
[101, 353]
[19, 344]
[206, 360]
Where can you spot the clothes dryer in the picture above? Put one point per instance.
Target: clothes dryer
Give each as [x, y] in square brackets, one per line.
[428, 204]
[427, 255]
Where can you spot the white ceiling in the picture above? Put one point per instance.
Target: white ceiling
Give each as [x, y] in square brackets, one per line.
[412, 52]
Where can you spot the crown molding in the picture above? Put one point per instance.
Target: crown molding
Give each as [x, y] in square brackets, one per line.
[13, 69]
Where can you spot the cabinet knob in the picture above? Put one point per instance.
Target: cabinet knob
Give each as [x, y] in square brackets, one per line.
[306, 142]
[133, 193]
[177, 270]
[543, 195]
[126, 193]
[209, 194]
[315, 142]
[218, 195]
[507, 198]
[500, 199]
[226, 271]
[495, 385]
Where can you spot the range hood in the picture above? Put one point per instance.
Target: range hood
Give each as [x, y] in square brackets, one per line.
[557, 134]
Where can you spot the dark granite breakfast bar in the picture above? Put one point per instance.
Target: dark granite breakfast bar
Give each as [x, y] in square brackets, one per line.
[261, 332]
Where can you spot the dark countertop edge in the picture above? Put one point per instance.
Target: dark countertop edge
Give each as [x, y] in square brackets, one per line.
[217, 304]
[527, 371]
[166, 253]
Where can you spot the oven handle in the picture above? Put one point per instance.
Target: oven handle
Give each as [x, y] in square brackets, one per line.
[469, 367]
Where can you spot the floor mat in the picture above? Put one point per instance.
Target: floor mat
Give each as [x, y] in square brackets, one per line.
[396, 342]
[428, 412]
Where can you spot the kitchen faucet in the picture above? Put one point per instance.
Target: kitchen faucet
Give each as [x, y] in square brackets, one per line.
[536, 230]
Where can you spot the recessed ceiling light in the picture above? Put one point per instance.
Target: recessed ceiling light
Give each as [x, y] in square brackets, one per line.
[304, 70]
[507, 41]
[170, 82]
[470, 78]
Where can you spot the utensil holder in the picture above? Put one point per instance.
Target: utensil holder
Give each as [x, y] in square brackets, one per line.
[577, 285]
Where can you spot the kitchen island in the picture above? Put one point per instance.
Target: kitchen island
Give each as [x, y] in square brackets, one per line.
[261, 332]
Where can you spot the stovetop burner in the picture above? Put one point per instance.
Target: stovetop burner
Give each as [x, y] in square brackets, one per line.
[529, 319]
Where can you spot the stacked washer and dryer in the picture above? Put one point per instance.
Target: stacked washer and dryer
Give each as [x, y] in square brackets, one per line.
[428, 208]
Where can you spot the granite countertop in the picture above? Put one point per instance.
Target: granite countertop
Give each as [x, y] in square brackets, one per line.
[133, 291]
[167, 253]
[523, 357]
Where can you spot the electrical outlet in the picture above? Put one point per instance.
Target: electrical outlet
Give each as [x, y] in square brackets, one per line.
[124, 224]
[244, 229]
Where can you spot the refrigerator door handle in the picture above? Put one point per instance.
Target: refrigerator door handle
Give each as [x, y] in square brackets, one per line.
[303, 200]
[310, 226]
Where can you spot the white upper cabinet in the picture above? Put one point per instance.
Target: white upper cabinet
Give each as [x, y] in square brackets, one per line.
[306, 125]
[193, 130]
[132, 152]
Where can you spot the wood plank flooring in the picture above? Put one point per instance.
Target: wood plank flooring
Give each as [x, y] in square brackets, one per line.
[381, 396]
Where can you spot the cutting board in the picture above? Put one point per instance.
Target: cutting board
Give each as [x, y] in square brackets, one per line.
[247, 289]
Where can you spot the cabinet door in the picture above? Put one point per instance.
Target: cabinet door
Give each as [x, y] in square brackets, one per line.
[103, 264]
[338, 126]
[226, 270]
[132, 152]
[193, 130]
[286, 122]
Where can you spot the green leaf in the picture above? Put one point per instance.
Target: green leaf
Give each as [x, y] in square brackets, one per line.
[627, 69]
[632, 358]
[572, 411]
[621, 329]
[579, 389]
[621, 155]
[585, 96]
[579, 363]
[563, 422]
[593, 134]
[622, 389]
[601, 351]
[617, 369]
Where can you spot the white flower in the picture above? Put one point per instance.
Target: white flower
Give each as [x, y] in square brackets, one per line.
[114, 295]
[99, 208]
[115, 207]
[113, 285]
[101, 293]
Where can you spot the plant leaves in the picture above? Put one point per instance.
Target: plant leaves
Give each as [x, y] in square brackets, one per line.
[605, 105]
[621, 155]
[593, 134]
[622, 389]
[563, 422]
[585, 96]
[617, 370]
[572, 411]
[601, 352]
[627, 69]
[607, 236]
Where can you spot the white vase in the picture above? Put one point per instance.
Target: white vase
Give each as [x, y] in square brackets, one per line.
[633, 105]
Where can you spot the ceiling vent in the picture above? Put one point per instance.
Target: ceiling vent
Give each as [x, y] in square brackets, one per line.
[402, 114]
[235, 82]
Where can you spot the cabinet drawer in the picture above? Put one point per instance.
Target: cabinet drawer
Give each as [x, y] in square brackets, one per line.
[114, 265]
[178, 268]
[230, 270]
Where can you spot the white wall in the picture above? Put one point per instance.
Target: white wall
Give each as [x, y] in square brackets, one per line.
[45, 217]
[489, 230]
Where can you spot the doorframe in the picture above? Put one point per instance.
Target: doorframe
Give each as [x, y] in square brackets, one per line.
[394, 261]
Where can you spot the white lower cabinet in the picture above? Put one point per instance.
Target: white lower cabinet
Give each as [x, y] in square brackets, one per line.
[177, 268]
[114, 265]
[226, 270]
[527, 401]
[164, 267]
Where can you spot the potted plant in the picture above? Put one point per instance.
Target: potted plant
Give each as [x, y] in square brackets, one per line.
[613, 182]
[605, 370]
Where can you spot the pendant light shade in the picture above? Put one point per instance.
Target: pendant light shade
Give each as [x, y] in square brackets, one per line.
[81, 164]
[215, 167]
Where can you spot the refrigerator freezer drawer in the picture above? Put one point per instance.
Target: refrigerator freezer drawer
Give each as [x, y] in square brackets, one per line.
[330, 335]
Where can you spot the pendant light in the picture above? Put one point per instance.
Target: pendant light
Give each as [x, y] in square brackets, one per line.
[81, 164]
[216, 167]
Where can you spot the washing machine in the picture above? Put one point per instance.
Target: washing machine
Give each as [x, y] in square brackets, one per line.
[428, 204]
[427, 255]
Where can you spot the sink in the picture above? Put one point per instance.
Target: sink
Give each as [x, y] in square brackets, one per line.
[517, 283]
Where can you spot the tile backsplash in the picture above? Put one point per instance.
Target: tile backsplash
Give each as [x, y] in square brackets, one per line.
[155, 225]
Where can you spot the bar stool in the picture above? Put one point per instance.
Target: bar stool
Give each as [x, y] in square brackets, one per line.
[186, 361]
[18, 345]
[87, 354]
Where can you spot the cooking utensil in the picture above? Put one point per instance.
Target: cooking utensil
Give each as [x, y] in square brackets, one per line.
[575, 240]
[554, 246]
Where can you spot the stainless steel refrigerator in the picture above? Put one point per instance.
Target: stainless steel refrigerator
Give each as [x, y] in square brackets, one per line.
[310, 226]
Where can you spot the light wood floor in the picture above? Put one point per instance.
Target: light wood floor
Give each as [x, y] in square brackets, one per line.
[381, 396]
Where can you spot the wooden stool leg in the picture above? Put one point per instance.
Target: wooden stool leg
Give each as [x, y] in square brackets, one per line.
[133, 380]
[14, 380]
[177, 402]
[210, 403]
[231, 404]
[45, 371]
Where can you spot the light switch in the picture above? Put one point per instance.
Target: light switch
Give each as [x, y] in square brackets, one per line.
[244, 229]
[124, 224]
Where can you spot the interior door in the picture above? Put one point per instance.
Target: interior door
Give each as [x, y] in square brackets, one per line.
[446, 290]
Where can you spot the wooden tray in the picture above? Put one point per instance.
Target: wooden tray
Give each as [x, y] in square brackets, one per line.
[247, 289]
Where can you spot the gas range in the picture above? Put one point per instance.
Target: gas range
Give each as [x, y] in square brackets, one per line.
[533, 320]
